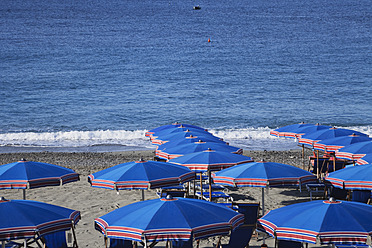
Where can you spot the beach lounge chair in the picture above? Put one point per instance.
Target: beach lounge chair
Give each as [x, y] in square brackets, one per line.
[288, 244]
[339, 194]
[325, 164]
[353, 246]
[214, 187]
[316, 189]
[216, 195]
[120, 243]
[182, 244]
[240, 237]
[361, 196]
[55, 240]
[175, 191]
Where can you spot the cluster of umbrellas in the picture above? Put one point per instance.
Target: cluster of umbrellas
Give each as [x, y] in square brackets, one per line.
[33, 221]
[186, 150]
[216, 156]
[342, 143]
[332, 221]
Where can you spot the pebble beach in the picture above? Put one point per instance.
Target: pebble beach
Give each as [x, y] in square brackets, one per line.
[95, 202]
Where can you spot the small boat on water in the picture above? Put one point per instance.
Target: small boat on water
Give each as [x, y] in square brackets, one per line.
[197, 7]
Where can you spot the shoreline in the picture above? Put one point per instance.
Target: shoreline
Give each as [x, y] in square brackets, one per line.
[90, 161]
[95, 202]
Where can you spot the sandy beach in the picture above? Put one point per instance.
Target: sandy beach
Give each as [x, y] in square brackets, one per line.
[95, 202]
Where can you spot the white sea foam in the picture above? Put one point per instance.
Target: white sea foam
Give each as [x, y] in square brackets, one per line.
[246, 138]
[74, 138]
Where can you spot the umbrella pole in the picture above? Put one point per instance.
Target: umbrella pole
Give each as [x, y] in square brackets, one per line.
[24, 194]
[317, 164]
[334, 162]
[105, 238]
[74, 235]
[3, 244]
[210, 185]
[25, 243]
[194, 188]
[263, 201]
[201, 185]
[263, 209]
[303, 157]
[143, 194]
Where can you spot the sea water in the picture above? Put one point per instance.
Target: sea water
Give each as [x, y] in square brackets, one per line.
[95, 75]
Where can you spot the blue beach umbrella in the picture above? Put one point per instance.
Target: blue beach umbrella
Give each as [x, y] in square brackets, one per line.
[141, 175]
[181, 150]
[320, 221]
[286, 130]
[171, 126]
[355, 151]
[353, 178]
[366, 159]
[169, 131]
[263, 174]
[188, 140]
[334, 144]
[29, 174]
[24, 219]
[182, 135]
[210, 160]
[177, 219]
[324, 134]
[307, 130]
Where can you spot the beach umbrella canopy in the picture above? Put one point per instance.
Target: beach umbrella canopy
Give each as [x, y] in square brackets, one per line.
[168, 219]
[334, 144]
[23, 219]
[183, 135]
[182, 150]
[306, 130]
[141, 175]
[367, 159]
[210, 160]
[171, 126]
[324, 134]
[288, 130]
[169, 131]
[188, 140]
[263, 174]
[355, 151]
[324, 221]
[353, 178]
[29, 174]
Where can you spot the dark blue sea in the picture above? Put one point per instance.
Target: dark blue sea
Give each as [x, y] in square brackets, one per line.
[94, 75]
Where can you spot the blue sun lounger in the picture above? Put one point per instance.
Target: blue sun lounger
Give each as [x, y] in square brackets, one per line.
[215, 196]
[240, 237]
